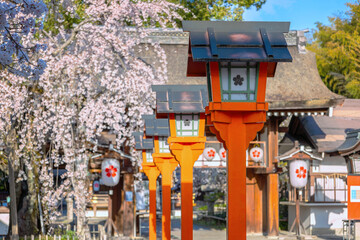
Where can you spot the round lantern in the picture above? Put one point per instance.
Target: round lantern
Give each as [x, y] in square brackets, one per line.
[256, 154]
[222, 153]
[96, 186]
[298, 171]
[209, 153]
[110, 172]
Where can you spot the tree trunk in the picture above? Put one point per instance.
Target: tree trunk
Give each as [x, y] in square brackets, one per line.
[28, 207]
[13, 226]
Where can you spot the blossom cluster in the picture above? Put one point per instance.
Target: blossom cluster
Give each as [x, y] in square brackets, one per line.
[18, 20]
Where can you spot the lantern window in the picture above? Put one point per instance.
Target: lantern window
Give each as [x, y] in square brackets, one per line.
[239, 81]
[163, 145]
[187, 125]
[149, 157]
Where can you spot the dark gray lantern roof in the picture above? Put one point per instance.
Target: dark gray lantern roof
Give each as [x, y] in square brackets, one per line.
[156, 127]
[181, 98]
[238, 41]
[351, 143]
[141, 143]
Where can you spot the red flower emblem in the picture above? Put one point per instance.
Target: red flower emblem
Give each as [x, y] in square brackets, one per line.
[256, 153]
[211, 153]
[111, 171]
[223, 154]
[301, 173]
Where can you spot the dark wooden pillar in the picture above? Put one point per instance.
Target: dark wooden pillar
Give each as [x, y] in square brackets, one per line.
[117, 206]
[272, 192]
[128, 216]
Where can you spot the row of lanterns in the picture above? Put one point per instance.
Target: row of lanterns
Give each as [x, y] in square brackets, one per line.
[256, 154]
[298, 169]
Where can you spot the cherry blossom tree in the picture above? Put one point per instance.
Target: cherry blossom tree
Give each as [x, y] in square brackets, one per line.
[96, 81]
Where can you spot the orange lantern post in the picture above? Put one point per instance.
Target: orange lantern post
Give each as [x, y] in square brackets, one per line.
[237, 58]
[166, 163]
[146, 145]
[184, 105]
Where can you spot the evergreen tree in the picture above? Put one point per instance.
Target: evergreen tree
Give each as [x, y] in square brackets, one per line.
[337, 52]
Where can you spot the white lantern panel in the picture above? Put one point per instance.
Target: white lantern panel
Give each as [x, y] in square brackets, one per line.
[225, 96]
[252, 97]
[96, 186]
[187, 125]
[110, 172]
[239, 96]
[252, 72]
[225, 78]
[222, 154]
[148, 154]
[209, 153]
[298, 170]
[238, 79]
[256, 154]
[163, 145]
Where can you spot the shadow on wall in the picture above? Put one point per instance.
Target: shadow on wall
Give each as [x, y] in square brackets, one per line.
[327, 219]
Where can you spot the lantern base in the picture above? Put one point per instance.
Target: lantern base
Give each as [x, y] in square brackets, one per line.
[236, 129]
[166, 163]
[186, 153]
[152, 172]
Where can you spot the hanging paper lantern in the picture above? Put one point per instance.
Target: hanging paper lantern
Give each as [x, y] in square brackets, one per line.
[96, 186]
[222, 153]
[110, 172]
[256, 154]
[298, 171]
[209, 153]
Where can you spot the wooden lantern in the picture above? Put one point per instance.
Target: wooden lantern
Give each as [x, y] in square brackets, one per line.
[236, 58]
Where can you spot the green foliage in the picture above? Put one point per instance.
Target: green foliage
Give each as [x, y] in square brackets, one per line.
[203, 208]
[59, 15]
[213, 196]
[206, 10]
[337, 52]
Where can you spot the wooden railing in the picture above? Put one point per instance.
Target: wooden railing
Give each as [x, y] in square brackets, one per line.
[323, 188]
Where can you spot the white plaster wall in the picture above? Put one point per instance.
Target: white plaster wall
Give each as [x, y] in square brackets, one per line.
[333, 165]
[327, 217]
[323, 220]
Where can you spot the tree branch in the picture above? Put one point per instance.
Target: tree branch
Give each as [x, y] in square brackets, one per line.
[72, 37]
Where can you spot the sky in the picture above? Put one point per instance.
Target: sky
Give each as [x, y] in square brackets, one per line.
[302, 14]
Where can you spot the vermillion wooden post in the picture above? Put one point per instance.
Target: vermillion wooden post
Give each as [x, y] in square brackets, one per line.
[236, 79]
[236, 129]
[237, 132]
[166, 164]
[185, 108]
[152, 172]
[186, 155]
[186, 151]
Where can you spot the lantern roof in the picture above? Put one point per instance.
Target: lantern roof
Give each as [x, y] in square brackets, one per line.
[298, 152]
[217, 41]
[181, 98]
[142, 143]
[156, 127]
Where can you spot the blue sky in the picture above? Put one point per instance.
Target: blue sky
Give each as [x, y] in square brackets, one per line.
[301, 13]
